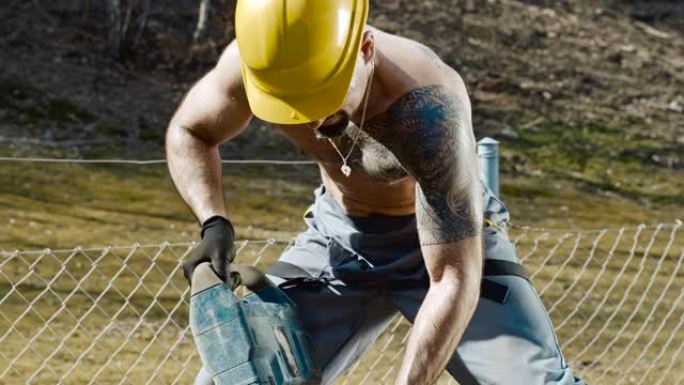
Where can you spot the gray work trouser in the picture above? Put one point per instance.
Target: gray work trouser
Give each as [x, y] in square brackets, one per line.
[509, 340]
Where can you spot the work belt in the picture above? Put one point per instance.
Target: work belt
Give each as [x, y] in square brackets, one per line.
[489, 289]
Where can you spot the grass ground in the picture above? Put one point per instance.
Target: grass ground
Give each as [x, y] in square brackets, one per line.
[61, 206]
[552, 176]
[120, 315]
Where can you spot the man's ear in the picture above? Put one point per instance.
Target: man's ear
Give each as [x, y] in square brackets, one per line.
[368, 46]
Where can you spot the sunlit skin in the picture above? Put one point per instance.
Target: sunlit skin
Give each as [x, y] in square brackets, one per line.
[415, 154]
[359, 194]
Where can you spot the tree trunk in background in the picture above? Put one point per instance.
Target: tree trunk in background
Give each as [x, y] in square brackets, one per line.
[115, 28]
[202, 21]
[126, 21]
[141, 22]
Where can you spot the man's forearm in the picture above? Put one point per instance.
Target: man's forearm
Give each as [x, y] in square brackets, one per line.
[440, 324]
[195, 168]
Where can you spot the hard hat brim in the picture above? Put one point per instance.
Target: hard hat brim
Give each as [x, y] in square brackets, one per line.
[301, 108]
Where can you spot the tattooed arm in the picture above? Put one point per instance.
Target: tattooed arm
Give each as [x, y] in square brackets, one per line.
[433, 139]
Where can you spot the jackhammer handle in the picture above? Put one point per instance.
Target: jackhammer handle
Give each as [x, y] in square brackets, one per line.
[204, 277]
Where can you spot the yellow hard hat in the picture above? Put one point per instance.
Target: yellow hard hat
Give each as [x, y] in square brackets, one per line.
[298, 56]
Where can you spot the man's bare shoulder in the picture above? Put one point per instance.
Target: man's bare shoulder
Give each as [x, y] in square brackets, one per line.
[416, 63]
[227, 70]
[230, 54]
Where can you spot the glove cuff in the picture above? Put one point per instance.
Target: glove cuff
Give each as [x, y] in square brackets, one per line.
[218, 223]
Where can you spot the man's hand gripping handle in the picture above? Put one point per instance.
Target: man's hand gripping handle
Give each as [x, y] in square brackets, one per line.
[216, 247]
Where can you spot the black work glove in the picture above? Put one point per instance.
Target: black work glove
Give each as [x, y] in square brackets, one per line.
[216, 247]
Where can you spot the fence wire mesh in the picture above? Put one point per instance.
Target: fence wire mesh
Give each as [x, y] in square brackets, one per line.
[118, 315]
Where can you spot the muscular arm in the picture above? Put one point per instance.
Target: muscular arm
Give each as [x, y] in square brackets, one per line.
[214, 111]
[435, 144]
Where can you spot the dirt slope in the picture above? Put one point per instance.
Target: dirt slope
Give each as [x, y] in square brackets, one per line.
[574, 61]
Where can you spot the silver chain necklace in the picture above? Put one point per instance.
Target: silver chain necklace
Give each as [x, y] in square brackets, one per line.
[346, 170]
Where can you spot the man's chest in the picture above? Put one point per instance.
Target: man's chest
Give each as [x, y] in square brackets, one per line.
[366, 151]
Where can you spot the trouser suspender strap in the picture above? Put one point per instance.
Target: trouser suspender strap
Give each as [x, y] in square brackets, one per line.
[495, 291]
[489, 289]
[288, 270]
[294, 275]
[461, 371]
[500, 267]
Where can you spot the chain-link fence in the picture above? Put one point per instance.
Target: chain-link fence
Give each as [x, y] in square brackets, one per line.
[118, 315]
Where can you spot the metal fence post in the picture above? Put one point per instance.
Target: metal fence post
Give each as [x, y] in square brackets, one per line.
[488, 152]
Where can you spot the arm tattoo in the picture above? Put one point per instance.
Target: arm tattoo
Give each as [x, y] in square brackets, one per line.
[429, 131]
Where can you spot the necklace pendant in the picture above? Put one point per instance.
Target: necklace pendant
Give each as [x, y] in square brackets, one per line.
[346, 170]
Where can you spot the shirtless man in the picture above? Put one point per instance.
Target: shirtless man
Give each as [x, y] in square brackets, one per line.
[401, 221]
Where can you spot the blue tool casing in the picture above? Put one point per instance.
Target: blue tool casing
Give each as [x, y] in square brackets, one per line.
[255, 340]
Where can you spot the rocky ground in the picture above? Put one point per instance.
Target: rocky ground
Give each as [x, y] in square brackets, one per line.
[526, 63]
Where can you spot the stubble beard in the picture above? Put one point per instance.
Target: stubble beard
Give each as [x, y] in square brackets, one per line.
[335, 129]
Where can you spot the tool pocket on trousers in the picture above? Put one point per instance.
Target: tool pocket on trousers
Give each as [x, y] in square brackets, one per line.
[496, 291]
